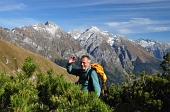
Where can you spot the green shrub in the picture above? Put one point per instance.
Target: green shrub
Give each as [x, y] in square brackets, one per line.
[49, 92]
[45, 92]
[146, 93]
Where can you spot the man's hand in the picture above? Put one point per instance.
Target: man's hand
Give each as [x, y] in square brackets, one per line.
[72, 59]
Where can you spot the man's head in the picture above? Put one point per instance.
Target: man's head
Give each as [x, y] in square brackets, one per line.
[85, 62]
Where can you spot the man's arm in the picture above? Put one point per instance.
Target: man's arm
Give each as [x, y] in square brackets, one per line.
[95, 82]
[71, 70]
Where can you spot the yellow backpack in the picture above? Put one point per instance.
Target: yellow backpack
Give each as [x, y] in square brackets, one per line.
[101, 76]
[100, 71]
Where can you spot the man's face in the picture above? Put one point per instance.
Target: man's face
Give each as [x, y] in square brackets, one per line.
[84, 63]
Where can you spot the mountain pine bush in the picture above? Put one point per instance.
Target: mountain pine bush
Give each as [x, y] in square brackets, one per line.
[49, 92]
[46, 92]
[146, 93]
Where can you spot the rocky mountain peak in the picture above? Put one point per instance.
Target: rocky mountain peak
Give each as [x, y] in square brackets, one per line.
[40, 25]
[51, 24]
[48, 26]
[93, 29]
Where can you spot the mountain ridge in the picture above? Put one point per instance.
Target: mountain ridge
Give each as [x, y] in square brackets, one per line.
[116, 53]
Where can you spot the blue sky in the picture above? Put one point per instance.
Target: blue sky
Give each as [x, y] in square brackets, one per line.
[134, 19]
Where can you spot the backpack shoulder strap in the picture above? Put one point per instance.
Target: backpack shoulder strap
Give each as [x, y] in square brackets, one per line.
[89, 74]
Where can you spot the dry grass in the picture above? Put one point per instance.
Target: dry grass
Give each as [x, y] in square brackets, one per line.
[12, 58]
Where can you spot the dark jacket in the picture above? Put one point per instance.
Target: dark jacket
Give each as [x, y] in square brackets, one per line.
[83, 79]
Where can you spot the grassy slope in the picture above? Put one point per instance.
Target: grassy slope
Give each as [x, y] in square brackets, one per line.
[12, 58]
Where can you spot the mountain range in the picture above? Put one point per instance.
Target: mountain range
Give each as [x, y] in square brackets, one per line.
[117, 54]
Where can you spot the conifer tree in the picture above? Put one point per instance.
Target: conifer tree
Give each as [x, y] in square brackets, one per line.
[165, 65]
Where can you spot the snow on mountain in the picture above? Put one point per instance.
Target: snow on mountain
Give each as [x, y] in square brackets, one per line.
[110, 38]
[93, 29]
[146, 42]
[49, 26]
[75, 34]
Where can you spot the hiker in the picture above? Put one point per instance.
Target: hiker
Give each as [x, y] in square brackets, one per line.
[83, 72]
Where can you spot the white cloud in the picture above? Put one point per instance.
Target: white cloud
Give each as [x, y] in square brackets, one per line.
[139, 25]
[118, 24]
[11, 23]
[141, 21]
[113, 24]
[125, 31]
[132, 22]
[159, 29]
[12, 7]
[75, 3]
